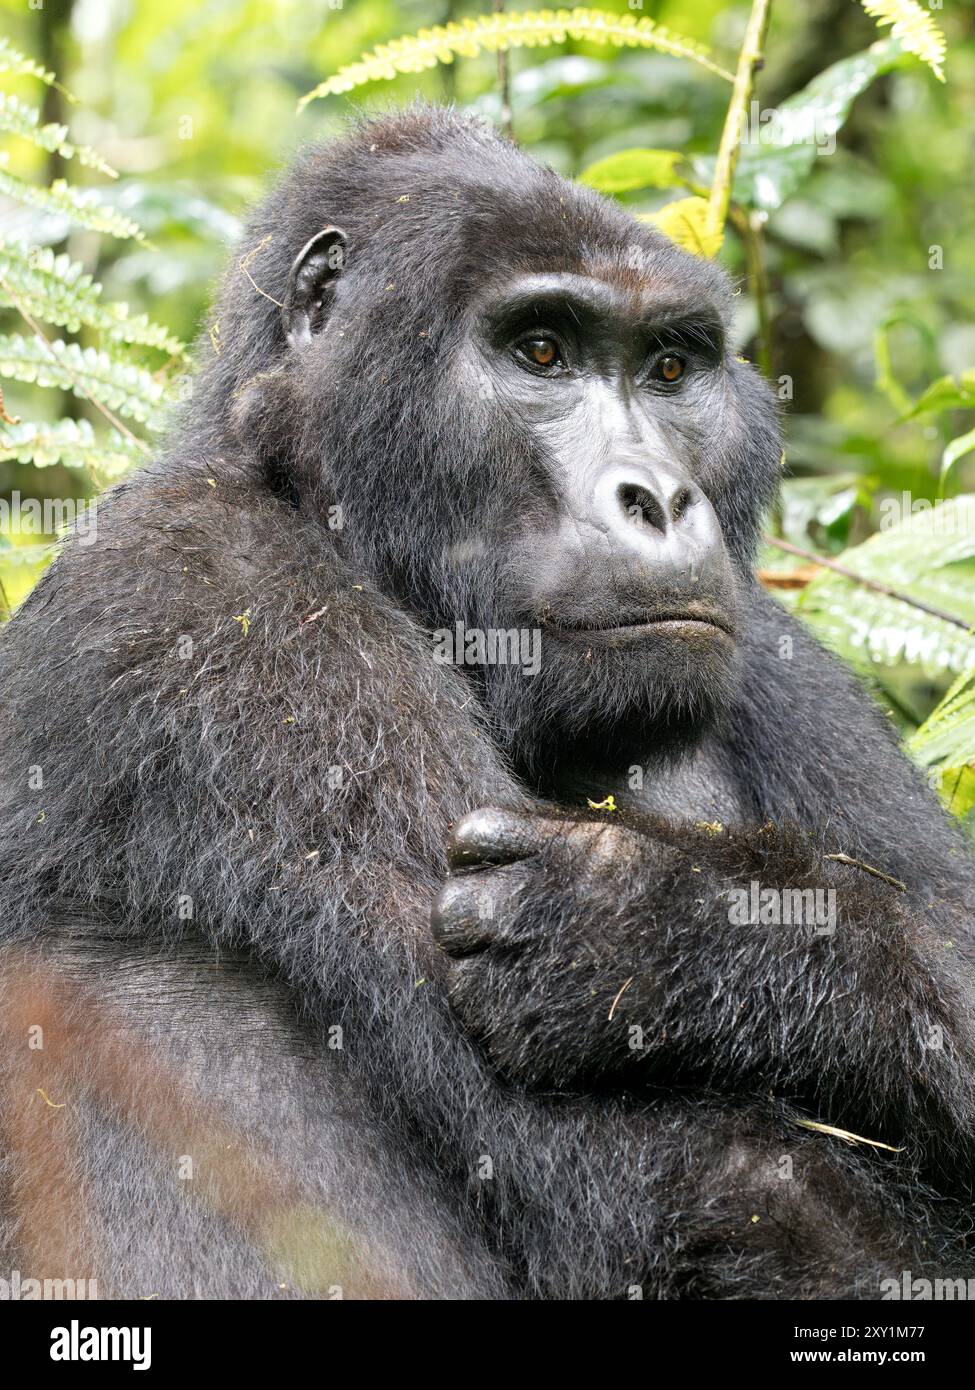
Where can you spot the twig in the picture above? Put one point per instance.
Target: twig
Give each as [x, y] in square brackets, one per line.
[245, 263]
[5, 417]
[749, 61]
[622, 990]
[867, 583]
[867, 869]
[846, 1135]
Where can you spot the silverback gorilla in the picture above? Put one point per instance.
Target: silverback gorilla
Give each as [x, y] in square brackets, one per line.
[333, 966]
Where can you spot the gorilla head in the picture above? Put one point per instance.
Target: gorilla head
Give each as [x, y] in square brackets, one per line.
[524, 412]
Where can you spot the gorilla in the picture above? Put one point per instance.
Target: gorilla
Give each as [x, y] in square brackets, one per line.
[431, 866]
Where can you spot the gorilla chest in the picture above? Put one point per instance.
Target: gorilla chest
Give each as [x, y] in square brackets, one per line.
[700, 787]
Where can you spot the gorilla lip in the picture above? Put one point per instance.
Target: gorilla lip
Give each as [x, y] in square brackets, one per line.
[689, 621]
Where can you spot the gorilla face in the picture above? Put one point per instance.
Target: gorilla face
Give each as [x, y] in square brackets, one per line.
[618, 560]
[541, 434]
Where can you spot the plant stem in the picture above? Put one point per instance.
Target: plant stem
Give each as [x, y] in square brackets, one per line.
[504, 84]
[749, 61]
[749, 228]
[449, 70]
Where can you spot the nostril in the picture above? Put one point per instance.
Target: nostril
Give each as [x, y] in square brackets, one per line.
[681, 501]
[641, 506]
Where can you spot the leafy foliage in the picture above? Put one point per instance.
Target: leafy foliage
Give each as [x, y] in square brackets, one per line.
[944, 743]
[773, 167]
[42, 286]
[632, 169]
[947, 393]
[18, 64]
[928, 556]
[81, 206]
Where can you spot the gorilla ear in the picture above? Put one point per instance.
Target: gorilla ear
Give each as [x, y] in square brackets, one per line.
[310, 281]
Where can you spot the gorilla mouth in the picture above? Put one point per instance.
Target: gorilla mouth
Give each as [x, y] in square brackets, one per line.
[692, 621]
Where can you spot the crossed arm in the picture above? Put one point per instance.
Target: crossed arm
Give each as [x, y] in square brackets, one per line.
[598, 953]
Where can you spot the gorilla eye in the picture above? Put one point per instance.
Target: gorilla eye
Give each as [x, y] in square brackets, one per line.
[541, 351]
[669, 368]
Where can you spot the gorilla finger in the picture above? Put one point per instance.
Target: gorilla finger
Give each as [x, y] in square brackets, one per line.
[472, 913]
[461, 918]
[492, 836]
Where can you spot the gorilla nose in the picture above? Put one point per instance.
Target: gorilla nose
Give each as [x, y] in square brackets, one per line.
[663, 516]
[661, 507]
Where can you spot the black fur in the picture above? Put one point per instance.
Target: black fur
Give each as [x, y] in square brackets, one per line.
[194, 899]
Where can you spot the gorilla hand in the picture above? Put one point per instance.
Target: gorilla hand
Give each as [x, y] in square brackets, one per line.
[522, 919]
[588, 952]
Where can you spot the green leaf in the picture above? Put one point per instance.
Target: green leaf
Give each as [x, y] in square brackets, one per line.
[929, 556]
[632, 169]
[957, 790]
[13, 61]
[771, 169]
[23, 120]
[947, 393]
[877, 634]
[946, 739]
[956, 450]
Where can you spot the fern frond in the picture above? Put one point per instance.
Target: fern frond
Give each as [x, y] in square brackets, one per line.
[87, 372]
[56, 289]
[914, 29]
[498, 32]
[20, 119]
[959, 694]
[13, 61]
[80, 205]
[947, 737]
[72, 443]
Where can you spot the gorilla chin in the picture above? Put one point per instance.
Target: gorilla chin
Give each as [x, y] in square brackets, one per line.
[642, 692]
[637, 682]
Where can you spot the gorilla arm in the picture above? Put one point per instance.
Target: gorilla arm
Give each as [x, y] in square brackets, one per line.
[588, 951]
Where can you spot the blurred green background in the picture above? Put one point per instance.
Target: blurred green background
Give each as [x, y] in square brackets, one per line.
[868, 253]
